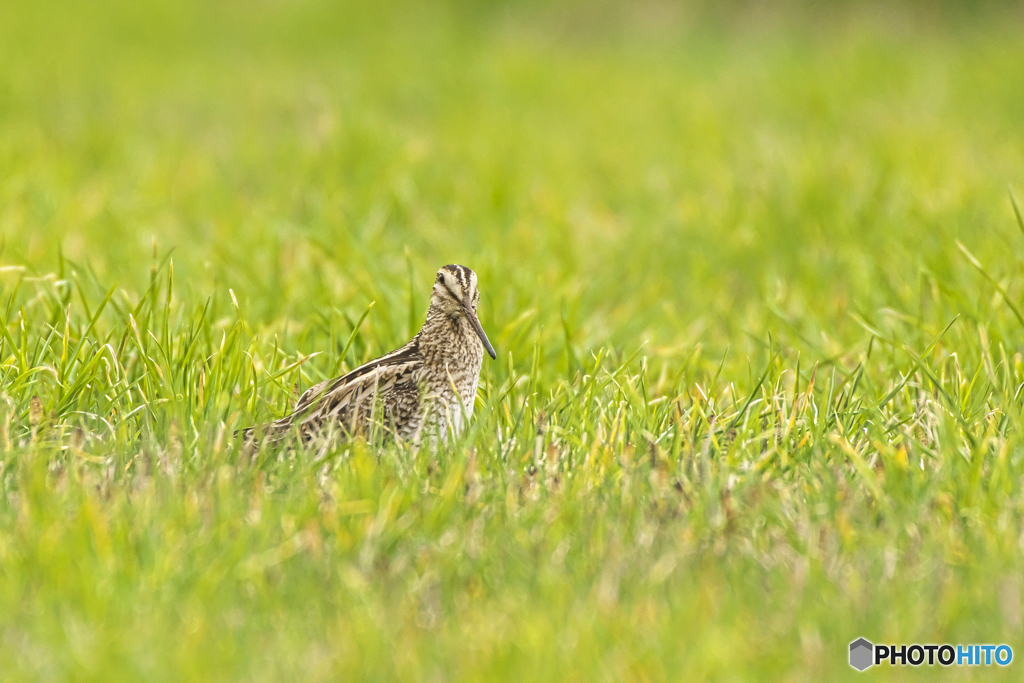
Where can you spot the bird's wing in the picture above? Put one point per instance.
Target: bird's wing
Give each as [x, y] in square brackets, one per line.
[406, 354]
[353, 402]
[344, 398]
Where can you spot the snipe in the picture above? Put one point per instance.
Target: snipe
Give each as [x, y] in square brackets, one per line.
[420, 390]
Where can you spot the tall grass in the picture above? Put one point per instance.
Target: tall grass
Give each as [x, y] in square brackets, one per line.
[754, 285]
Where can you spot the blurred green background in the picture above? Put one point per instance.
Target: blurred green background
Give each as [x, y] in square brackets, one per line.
[726, 187]
[661, 170]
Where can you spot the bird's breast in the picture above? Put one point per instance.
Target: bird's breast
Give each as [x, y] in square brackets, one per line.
[452, 359]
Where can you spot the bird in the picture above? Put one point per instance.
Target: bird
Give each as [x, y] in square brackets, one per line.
[425, 388]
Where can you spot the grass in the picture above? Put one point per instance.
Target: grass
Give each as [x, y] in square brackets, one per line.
[753, 275]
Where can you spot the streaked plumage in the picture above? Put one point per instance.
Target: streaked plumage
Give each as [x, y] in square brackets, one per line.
[426, 387]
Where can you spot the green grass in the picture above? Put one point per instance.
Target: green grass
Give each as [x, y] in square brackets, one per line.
[754, 277]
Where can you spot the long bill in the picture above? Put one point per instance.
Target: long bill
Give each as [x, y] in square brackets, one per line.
[471, 315]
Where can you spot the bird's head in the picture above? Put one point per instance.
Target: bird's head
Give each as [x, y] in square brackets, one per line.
[455, 294]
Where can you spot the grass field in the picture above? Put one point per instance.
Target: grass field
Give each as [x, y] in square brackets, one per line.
[753, 274]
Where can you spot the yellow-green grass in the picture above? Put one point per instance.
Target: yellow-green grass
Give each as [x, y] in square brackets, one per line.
[753, 275]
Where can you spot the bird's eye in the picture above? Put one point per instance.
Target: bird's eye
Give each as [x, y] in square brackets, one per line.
[440, 277]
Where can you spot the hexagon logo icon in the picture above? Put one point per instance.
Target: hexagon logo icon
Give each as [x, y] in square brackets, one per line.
[861, 654]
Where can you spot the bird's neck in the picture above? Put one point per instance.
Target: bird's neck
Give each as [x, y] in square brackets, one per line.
[445, 338]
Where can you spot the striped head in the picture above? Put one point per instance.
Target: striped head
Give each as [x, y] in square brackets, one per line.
[455, 294]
